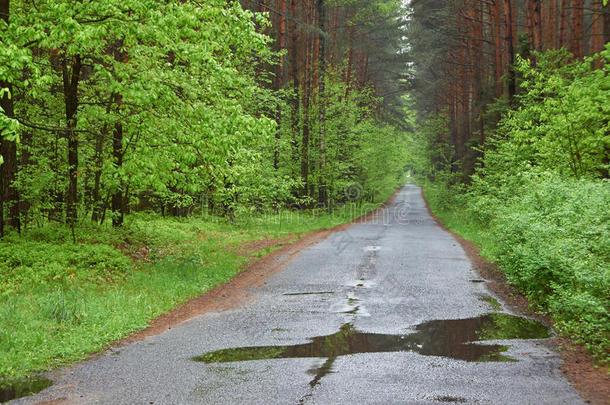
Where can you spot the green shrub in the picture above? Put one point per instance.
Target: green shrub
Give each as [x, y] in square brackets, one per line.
[551, 236]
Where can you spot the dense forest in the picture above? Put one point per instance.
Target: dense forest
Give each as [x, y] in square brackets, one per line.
[127, 125]
[472, 61]
[513, 99]
[114, 106]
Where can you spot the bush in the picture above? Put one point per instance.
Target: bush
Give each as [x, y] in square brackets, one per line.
[551, 237]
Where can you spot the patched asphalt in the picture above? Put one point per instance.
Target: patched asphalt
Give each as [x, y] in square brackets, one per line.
[384, 277]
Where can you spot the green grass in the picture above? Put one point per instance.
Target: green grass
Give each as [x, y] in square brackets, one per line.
[61, 301]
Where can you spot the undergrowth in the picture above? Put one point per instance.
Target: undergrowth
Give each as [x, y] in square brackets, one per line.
[551, 237]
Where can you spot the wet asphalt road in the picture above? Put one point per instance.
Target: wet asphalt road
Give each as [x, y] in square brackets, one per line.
[372, 284]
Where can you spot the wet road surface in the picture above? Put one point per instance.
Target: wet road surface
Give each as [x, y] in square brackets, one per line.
[388, 311]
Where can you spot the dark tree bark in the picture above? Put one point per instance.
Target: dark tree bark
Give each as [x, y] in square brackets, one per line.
[563, 30]
[71, 78]
[25, 161]
[294, 75]
[96, 198]
[279, 77]
[577, 28]
[322, 199]
[8, 150]
[117, 201]
[606, 24]
[497, 34]
[597, 30]
[510, 52]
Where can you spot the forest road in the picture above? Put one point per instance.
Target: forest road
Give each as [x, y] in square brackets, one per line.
[388, 311]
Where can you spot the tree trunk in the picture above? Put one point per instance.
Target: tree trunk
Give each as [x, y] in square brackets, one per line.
[350, 62]
[322, 198]
[26, 143]
[497, 27]
[577, 28]
[510, 53]
[554, 37]
[607, 24]
[279, 76]
[294, 74]
[563, 24]
[305, 142]
[537, 25]
[8, 150]
[71, 77]
[96, 198]
[117, 205]
[597, 31]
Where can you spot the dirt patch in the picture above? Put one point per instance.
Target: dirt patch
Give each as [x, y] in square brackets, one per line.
[578, 366]
[251, 248]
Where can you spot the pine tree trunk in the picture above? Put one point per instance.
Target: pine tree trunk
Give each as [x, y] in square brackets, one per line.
[279, 75]
[510, 53]
[554, 37]
[607, 24]
[563, 30]
[577, 28]
[350, 62]
[597, 31]
[294, 75]
[497, 28]
[322, 198]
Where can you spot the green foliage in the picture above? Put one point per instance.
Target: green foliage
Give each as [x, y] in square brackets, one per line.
[562, 120]
[179, 78]
[175, 106]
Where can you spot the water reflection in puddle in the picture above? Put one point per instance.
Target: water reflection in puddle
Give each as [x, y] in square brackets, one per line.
[493, 303]
[17, 388]
[311, 293]
[447, 338]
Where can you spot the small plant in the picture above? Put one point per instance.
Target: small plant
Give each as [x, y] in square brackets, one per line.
[66, 306]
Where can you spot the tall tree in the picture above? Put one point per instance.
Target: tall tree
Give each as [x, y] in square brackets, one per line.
[510, 51]
[71, 76]
[322, 199]
[577, 42]
[8, 145]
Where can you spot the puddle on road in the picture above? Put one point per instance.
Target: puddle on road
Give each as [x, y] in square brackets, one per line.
[446, 398]
[17, 388]
[361, 283]
[352, 310]
[447, 338]
[311, 293]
